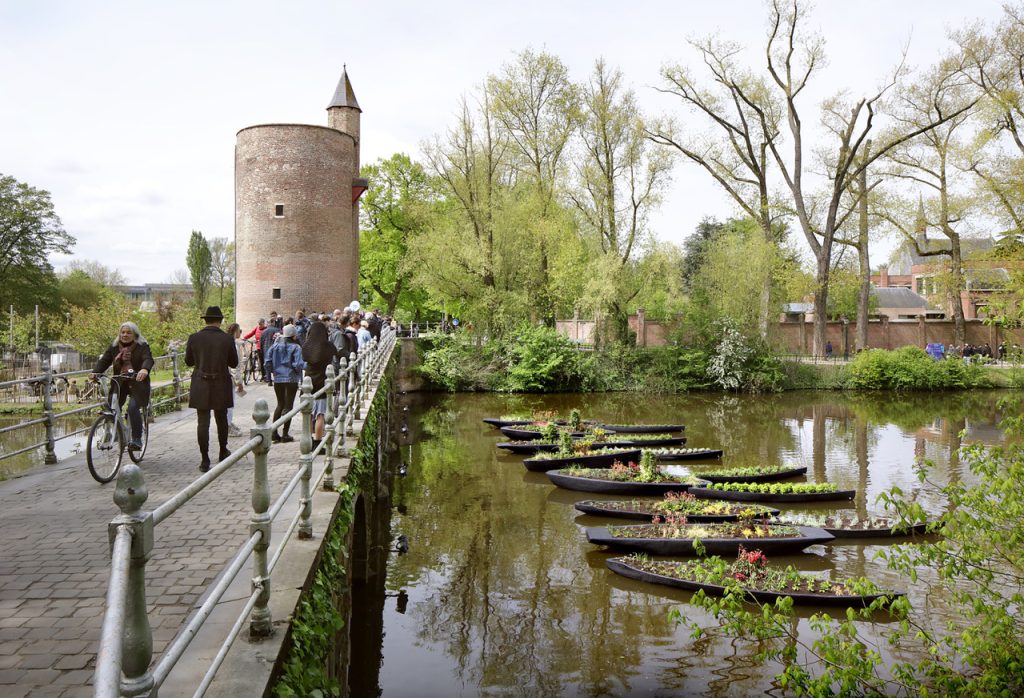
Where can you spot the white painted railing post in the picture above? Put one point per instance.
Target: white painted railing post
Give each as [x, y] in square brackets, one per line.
[306, 460]
[260, 624]
[329, 439]
[130, 495]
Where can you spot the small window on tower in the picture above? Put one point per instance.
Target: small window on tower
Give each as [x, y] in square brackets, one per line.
[276, 294]
[278, 210]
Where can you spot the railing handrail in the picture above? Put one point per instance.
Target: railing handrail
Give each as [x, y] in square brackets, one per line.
[133, 655]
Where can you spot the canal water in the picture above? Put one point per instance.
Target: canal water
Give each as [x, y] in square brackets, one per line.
[22, 438]
[500, 593]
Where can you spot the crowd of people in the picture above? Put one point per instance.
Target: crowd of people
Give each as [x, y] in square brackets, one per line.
[286, 348]
[978, 353]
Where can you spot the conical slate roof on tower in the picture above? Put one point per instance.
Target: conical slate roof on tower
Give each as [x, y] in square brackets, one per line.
[344, 95]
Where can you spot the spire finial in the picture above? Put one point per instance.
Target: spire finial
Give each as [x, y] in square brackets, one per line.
[344, 95]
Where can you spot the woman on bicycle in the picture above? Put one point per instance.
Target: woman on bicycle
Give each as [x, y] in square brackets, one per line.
[130, 352]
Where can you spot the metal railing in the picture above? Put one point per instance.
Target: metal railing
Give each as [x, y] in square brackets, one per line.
[50, 417]
[126, 644]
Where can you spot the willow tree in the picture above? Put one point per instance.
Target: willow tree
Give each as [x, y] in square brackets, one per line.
[619, 178]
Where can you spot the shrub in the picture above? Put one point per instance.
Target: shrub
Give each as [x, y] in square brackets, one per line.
[910, 368]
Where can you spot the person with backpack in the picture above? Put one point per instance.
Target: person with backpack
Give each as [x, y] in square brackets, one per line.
[284, 362]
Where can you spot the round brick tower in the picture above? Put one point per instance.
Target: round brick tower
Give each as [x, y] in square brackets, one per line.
[296, 214]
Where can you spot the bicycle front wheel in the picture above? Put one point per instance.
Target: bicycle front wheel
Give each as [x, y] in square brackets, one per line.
[137, 454]
[104, 449]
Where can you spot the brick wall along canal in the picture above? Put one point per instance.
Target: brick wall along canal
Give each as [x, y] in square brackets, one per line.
[500, 593]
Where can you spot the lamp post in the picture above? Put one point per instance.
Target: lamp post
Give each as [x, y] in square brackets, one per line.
[846, 338]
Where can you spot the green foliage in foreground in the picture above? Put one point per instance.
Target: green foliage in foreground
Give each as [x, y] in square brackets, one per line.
[977, 561]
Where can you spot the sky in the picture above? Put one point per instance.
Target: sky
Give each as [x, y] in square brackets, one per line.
[126, 112]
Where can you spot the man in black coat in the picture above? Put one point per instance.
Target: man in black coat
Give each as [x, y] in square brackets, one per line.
[212, 352]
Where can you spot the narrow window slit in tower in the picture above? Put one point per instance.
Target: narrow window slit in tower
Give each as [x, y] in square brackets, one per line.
[276, 294]
[278, 210]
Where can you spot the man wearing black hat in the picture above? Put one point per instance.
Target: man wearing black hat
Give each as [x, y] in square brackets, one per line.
[212, 352]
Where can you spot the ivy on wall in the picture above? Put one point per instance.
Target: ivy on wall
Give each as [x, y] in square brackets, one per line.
[317, 620]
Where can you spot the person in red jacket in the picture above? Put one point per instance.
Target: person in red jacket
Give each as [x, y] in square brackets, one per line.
[257, 332]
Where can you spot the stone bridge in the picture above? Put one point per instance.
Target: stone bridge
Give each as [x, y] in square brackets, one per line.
[56, 557]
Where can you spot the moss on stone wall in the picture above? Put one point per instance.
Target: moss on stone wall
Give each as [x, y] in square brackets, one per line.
[318, 618]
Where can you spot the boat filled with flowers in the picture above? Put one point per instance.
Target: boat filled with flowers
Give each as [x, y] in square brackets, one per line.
[751, 574]
[643, 478]
[761, 473]
[678, 504]
[850, 526]
[773, 492]
[675, 538]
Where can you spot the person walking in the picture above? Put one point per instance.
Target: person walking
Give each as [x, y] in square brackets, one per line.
[237, 380]
[267, 337]
[212, 352]
[318, 353]
[284, 362]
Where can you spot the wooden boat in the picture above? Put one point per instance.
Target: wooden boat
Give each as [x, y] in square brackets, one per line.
[602, 535]
[875, 532]
[712, 476]
[644, 428]
[588, 484]
[590, 460]
[526, 447]
[598, 507]
[690, 454]
[498, 422]
[646, 443]
[624, 567]
[792, 498]
[532, 434]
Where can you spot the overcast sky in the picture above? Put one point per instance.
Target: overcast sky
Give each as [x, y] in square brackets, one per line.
[127, 111]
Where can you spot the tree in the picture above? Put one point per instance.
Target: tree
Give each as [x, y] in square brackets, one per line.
[97, 271]
[536, 108]
[929, 161]
[619, 179]
[79, 289]
[30, 230]
[396, 208]
[743, 117]
[222, 264]
[199, 262]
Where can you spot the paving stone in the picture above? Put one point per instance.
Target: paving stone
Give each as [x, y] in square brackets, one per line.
[56, 564]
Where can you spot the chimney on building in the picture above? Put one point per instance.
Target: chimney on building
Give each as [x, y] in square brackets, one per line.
[883, 277]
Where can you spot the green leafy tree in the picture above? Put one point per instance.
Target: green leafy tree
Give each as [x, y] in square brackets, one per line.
[398, 206]
[200, 264]
[30, 231]
[619, 180]
[79, 289]
[97, 271]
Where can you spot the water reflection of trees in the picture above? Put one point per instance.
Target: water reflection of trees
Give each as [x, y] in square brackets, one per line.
[507, 585]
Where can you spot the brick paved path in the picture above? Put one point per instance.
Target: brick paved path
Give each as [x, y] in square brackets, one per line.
[55, 560]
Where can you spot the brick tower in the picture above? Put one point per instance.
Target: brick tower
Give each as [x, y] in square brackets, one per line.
[297, 191]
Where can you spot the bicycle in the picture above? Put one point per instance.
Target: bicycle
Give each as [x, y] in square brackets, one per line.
[252, 369]
[110, 435]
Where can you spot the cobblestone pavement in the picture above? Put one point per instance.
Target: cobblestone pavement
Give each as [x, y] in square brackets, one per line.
[55, 559]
